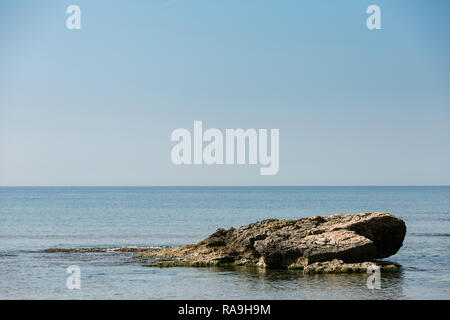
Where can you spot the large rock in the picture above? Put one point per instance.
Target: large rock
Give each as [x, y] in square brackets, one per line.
[281, 244]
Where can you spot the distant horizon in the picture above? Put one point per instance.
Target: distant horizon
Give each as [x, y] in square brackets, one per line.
[219, 186]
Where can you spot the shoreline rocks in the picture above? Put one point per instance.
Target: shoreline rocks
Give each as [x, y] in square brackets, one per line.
[341, 243]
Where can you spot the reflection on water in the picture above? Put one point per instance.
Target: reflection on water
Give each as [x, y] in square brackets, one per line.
[119, 276]
[292, 284]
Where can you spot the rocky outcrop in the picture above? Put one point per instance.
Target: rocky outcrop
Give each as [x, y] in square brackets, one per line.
[337, 243]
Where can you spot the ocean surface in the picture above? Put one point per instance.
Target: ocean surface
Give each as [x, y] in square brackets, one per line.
[33, 219]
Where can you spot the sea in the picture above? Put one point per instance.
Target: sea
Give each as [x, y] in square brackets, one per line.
[34, 219]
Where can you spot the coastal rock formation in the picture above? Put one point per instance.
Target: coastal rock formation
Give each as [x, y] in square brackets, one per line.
[337, 243]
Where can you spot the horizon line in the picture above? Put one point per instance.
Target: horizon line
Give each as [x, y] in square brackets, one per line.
[208, 186]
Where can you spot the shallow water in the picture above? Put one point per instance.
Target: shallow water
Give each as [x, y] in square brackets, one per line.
[35, 219]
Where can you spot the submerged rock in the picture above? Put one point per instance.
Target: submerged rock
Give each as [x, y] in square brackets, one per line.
[337, 243]
[339, 266]
[98, 250]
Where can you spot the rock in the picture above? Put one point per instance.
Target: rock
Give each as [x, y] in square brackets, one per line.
[339, 266]
[328, 243]
[98, 250]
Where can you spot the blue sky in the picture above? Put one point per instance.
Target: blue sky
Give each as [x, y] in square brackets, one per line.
[97, 106]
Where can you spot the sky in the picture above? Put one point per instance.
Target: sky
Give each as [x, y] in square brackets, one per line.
[97, 106]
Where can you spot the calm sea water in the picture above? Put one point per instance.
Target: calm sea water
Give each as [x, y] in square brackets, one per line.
[35, 219]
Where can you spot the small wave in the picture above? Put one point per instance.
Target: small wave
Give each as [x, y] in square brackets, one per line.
[98, 250]
[5, 255]
[430, 234]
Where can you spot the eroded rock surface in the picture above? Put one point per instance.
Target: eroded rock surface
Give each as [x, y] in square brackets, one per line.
[328, 243]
